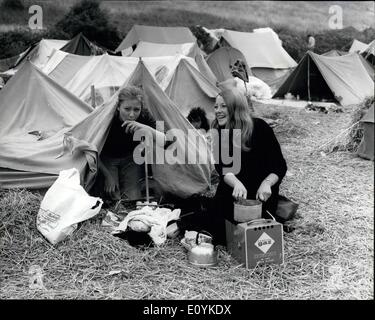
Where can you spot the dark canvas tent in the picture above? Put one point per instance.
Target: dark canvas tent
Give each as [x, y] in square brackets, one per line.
[366, 147]
[79, 146]
[167, 35]
[343, 79]
[82, 46]
[221, 60]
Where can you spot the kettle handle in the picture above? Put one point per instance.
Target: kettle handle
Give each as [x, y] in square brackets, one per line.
[203, 232]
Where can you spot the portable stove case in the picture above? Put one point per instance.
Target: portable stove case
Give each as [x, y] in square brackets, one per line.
[257, 241]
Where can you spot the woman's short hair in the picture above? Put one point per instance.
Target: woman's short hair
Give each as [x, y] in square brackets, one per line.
[198, 114]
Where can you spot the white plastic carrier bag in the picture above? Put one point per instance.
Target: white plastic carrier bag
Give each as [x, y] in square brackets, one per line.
[64, 205]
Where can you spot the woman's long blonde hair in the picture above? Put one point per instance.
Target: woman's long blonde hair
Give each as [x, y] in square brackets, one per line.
[239, 116]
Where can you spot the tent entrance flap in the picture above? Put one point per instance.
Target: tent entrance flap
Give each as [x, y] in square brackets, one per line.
[317, 86]
[308, 83]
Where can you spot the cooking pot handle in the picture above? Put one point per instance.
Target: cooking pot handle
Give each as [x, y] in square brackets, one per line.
[203, 232]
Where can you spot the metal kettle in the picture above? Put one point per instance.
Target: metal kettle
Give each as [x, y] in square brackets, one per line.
[202, 254]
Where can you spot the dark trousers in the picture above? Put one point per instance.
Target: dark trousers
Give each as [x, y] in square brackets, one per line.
[221, 208]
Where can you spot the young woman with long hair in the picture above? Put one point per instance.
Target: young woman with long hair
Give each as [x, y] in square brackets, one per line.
[259, 169]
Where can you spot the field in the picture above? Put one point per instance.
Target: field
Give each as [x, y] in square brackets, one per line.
[329, 255]
[243, 15]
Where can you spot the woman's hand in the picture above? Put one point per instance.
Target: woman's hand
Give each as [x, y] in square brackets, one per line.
[111, 187]
[132, 126]
[264, 191]
[239, 191]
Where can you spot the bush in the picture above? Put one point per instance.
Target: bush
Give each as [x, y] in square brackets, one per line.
[12, 4]
[87, 17]
[14, 42]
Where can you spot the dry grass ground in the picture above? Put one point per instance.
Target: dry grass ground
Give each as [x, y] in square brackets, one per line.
[328, 256]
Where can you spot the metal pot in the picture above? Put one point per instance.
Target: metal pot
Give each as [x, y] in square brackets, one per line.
[247, 210]
[203, 254]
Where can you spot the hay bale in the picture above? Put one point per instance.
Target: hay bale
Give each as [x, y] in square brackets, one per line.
[350, 138]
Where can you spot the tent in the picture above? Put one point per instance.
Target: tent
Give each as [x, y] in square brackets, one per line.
[357, 46]
[188, 88]
[40, 53]
[82, 46]
[32, 109]
[107, 73]
[62, 66]
[150, 49]
[31, 101]
[343, 79]
[222, 59]
[263, 51]
[79, 146]
[334, 53]
[369, 53]
[166, 35]
[366, 147]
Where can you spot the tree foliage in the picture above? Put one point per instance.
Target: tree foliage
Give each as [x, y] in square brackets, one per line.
[87, 17]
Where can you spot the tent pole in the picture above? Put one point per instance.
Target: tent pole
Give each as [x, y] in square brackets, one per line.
[146, 172]
[308, 78]
[93, 96]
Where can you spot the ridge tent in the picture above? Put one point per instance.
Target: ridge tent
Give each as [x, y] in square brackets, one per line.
[369, 53]
[343, 79]
[357, 46]
[334, 53]
[80, 145]
[188, 88]
[263, 51]
[31, 101]
[107, 73]
[221, 59]
[366, 147]
[82, 46]
[150, 49]
[33, 109]
[167, 35]
[40, 52]
[181, 179]
[62, 66]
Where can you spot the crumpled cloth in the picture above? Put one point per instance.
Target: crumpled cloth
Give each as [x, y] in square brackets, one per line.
[157, 219]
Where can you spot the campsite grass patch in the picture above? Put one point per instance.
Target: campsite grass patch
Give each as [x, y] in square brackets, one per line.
[329, 255]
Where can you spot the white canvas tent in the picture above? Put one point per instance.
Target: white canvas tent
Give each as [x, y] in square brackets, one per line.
[28, 162]
[165, 35]
[358, 46]
[263, 52]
